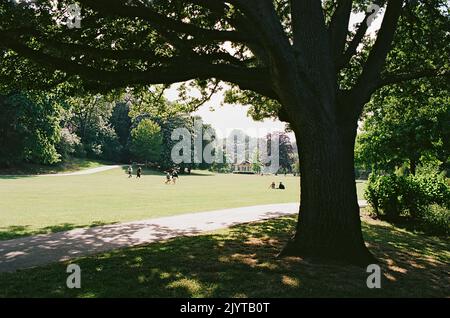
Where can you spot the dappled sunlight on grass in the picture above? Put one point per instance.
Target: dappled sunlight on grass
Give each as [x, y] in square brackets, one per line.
[389, 277]
[290, 281]
[13, 232]
[247, 259]
[241, 262]
[189, 286]
[410, 259]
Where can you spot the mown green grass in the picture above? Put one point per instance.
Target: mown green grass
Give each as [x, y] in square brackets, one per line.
[41, 204]
[240, 262]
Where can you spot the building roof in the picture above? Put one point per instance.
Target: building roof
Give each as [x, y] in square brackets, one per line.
[246, 162]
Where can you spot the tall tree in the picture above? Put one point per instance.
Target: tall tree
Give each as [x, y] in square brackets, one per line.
[121, 121]
[406, 124]
[29, 130]
[89, 117]
[146, 141]
[297, 55]
[286, 157]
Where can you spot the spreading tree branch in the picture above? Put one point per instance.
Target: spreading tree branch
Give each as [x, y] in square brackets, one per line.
[396, 78]
[162, 23]
[371, 73]
[352, 47]
[247, 78]
[338, 29]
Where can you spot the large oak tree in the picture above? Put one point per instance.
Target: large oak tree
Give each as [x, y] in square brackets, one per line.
[298, 57]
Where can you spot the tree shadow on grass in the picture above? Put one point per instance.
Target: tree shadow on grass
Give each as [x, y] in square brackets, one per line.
[14, 177]
[18, 231]
[240, 262]
[420, 263]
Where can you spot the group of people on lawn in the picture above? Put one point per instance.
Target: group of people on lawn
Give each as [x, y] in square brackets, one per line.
[171, 175]
[130, 172]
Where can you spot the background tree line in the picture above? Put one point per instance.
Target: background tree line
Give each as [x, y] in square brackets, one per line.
[45, 129]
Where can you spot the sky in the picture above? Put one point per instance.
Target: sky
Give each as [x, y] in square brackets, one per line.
[226, 117]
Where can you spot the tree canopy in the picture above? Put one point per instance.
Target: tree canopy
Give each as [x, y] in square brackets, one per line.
[146, 141]
[126, 43]
[29, 129]
[406, 124]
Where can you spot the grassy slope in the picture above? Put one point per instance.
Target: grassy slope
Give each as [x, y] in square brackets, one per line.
[70, 165]
[240, 262]
[32, 205]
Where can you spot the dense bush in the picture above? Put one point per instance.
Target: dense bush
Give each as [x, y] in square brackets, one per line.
[436, 219]
[424, 197]
[383, 194]
[29, 130]
[434, 188]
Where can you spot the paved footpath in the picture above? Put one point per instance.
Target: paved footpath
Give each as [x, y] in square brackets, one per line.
[81, 172]
[64, 174]
[44, 249]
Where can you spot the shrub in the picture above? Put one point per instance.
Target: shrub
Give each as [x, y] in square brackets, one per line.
[436, 219]
[435, 188]
[383, 194]
[392, 196]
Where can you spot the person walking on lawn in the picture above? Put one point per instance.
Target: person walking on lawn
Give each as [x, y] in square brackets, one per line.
[174, 176]
[168, 177]
[139, 172]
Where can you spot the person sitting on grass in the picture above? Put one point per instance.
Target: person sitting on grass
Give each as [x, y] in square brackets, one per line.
[272, 185]
[281, 186]
[130, 171]
[139, 172]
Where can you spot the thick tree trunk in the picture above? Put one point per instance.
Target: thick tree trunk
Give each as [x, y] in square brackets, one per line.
[412, 166]
[329, 225]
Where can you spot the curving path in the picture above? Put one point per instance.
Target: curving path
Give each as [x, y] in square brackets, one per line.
[82, 172]
[44, 249]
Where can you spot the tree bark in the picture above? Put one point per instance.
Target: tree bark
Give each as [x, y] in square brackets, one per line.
[329, 225]
[412, 166]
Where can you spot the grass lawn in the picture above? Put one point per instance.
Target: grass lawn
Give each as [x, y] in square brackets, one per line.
[240, 262]
[40, 204]
[69, 165]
